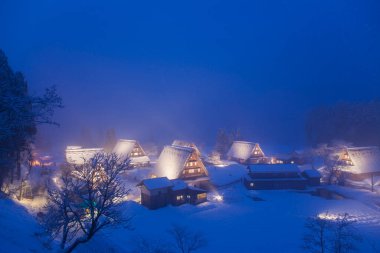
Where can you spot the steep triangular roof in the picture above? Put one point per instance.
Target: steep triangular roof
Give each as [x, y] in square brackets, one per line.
[172, 161]
[364, 160]
[123, 148]
[242, 149]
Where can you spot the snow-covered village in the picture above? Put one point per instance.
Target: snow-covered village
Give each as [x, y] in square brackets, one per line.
[190, 127]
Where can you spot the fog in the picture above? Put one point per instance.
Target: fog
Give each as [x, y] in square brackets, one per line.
[162, 70]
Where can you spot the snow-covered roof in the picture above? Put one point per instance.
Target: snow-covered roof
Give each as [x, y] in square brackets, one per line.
[220, 176]
[139, 159]
[172, 160]
[123, 148]
[311, 173]
[241, 150]
[273, 168]
[178, 184]
[157, 183]
[364, 159]
[79, 155]
[187, 144]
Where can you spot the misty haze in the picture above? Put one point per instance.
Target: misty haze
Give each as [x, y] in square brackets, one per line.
[196, 126]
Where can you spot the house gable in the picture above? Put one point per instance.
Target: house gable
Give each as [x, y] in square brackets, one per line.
[180, 162]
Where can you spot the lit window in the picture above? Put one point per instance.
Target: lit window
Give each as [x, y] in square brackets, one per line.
[180, 197]
[201, 196]
[251, 184]
[191, 171]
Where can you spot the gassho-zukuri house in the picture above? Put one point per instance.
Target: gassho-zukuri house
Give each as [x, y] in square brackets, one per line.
[159, 192]
[246, 153]
[359, 162]
[279, 176]
[131, 149]
[178, 162]
[78, 155]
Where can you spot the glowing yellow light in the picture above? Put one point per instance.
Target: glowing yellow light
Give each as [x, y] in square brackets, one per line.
[218, 198]
[328, 216]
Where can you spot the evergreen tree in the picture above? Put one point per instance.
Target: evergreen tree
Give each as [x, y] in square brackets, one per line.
[20, 114]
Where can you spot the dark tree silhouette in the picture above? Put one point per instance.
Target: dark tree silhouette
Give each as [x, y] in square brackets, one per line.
[20, 114]
[87, 200]
[357, 123]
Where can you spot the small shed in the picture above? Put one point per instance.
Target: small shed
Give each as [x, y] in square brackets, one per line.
[183, 193]
[159, 192]
[155, 192]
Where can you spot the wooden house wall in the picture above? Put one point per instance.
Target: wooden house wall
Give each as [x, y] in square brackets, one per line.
[137, 151]
[275, 175]
[275, 184]
[154, 201]
[194, 167]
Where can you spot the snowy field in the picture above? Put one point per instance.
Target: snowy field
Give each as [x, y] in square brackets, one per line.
[245, 221]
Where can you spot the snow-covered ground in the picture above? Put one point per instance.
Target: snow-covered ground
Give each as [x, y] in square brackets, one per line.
[245, 221]
[19, 230]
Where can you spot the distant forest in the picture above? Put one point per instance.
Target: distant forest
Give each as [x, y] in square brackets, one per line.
[355, 123]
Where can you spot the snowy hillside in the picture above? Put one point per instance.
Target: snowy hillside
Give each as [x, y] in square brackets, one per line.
[244, 221]
[19, 231]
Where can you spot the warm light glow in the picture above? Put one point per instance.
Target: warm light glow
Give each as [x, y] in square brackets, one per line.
[218, 198]
[328, 216]
[36, 163]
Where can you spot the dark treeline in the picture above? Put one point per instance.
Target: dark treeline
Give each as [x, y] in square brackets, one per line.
[20, 114]
[356, 123]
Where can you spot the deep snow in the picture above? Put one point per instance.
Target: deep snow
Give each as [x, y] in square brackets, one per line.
[245, 221]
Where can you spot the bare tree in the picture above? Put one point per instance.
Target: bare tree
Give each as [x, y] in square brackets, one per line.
[186, 240]
[332, 172]
[316, 238]
[345, 235]
[87, 201]
[329, 233]
[59, 220]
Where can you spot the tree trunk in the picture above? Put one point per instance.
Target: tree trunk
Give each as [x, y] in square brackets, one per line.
[64, 236]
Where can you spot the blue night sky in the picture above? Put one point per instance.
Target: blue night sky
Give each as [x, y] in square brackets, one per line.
[161, 70]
